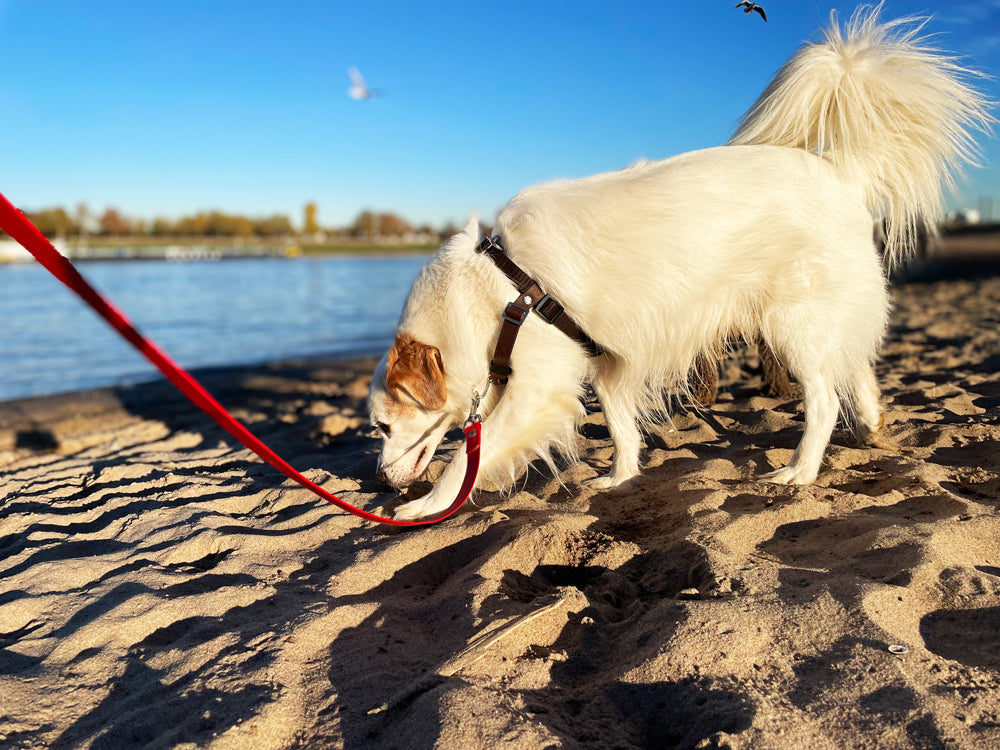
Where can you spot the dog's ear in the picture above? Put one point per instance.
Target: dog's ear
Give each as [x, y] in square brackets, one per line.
[417, 369]
[472, 228]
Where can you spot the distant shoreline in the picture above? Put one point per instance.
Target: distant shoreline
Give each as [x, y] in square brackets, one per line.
[144, 247]
[336, 245]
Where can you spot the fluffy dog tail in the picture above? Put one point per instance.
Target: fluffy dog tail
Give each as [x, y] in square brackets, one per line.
[893, 115]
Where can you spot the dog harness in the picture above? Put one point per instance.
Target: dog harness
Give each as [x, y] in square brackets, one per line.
[531, 297]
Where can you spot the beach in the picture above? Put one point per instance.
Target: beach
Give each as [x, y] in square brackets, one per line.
[160, 587]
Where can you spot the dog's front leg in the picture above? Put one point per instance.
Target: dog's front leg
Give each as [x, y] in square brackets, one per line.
[620, 416]
[492, 448]
[524, 423]
[442, 494]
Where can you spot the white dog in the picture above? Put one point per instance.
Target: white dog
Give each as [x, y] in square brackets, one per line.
[769, 236]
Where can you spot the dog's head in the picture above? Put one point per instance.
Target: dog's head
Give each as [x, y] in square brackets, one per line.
[407, 406]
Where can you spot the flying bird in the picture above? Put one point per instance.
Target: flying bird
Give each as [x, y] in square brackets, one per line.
[749, 7]
[359, 89]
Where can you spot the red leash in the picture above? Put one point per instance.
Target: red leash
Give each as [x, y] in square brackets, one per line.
[16, 224]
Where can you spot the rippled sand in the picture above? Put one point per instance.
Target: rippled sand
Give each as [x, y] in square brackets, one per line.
[160, 587]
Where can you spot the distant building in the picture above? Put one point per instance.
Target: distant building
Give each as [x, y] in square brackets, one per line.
[12, 252]
[966, 217]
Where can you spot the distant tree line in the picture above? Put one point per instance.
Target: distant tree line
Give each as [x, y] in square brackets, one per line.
[369, 225]
[373, 224]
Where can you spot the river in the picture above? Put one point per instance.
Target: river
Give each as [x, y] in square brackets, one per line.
[202, 314]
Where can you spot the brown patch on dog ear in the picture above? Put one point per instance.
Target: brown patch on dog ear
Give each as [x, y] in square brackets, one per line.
[417, 369]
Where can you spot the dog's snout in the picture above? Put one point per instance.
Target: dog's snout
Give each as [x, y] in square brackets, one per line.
[380, 474]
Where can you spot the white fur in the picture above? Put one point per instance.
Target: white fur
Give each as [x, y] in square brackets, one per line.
[769, 236]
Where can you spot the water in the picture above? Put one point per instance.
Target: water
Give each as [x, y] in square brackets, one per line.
[235, 312]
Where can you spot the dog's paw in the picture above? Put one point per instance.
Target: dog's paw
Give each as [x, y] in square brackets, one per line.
[414, 510]
[610, 481]
[790, 475]
[868, 435]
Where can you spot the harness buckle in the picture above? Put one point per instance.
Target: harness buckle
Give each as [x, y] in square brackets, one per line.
[548, 309]
[515, 314]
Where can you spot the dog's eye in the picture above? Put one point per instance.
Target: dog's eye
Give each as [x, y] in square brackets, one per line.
[383, 428]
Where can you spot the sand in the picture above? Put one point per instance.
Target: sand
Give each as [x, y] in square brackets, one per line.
[160, 587]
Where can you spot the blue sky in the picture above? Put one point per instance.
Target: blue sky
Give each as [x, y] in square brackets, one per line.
[169, 108]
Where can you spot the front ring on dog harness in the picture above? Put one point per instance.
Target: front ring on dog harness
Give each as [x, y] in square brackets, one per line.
[531, 298]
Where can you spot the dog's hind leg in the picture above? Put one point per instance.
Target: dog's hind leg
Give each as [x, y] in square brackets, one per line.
[821, 408]
[865, 407]
[776, 381]
[619, 407]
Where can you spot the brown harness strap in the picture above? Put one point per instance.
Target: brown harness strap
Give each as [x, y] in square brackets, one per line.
[531, 298]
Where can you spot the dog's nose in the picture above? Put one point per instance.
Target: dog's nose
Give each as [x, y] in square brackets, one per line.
[380, 474]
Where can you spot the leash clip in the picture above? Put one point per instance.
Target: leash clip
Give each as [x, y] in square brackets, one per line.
[477, 399]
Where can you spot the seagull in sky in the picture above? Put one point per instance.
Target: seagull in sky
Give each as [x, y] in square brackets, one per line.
[749, 7]
[359, 89]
